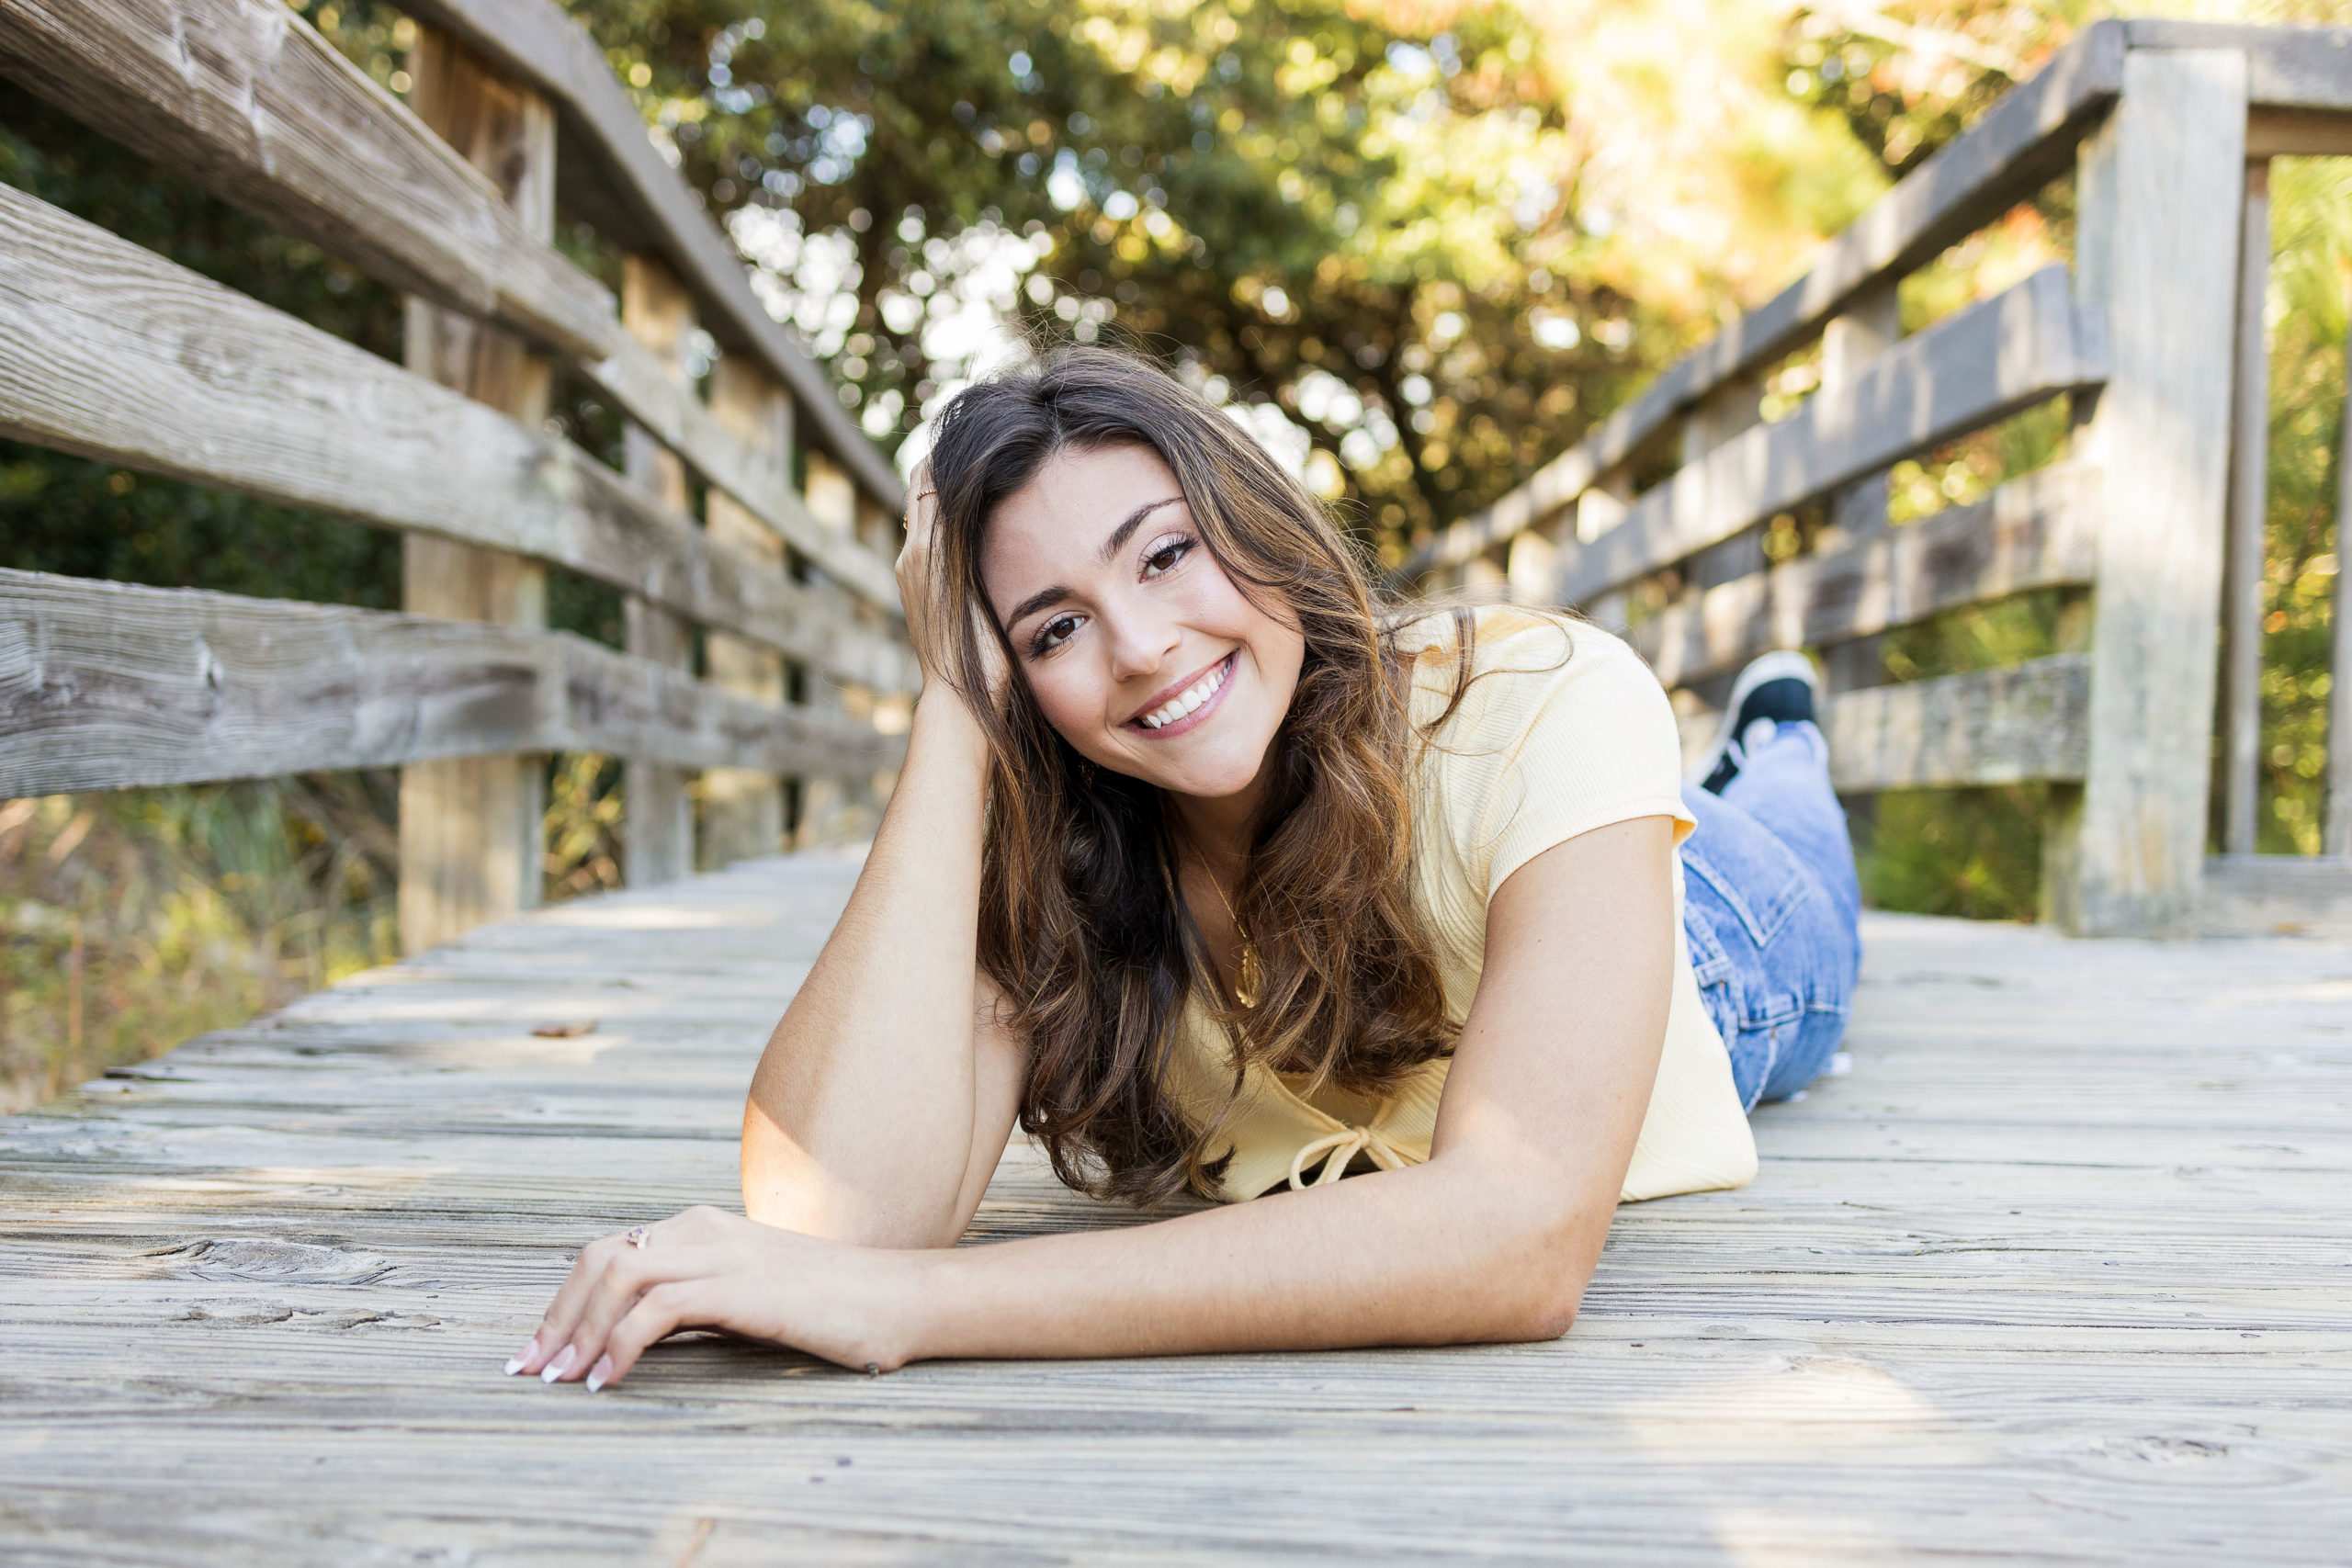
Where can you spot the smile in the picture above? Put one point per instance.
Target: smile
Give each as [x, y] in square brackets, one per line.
[1190, 706]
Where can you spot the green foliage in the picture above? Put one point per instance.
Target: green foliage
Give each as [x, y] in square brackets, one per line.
[2310, 288]
[130, 921]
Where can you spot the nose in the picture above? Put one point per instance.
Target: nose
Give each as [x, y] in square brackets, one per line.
[1140, 643]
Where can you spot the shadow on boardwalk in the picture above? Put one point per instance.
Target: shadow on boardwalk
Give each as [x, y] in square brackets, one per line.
[2059, 1273]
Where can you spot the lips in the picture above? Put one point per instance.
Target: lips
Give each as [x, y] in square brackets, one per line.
[1174, 712]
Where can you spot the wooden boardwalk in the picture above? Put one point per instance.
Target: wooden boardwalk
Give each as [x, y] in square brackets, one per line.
[2058, 1274]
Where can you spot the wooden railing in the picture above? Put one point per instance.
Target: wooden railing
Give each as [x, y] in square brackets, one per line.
[113, 353]
[2155, 504]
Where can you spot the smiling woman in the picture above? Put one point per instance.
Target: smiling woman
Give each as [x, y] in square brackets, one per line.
[1208, 869]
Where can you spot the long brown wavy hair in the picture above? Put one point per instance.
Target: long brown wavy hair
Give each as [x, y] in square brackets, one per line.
[1081, 924]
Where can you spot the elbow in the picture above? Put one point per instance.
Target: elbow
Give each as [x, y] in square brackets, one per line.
[1534, 1280]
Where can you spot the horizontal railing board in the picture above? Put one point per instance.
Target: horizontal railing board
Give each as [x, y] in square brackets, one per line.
[2024, 139]
[2038, 531]
[112, 352]
[640, 384]
[1966, 372]
[244, 97]
[2288, 67]
[536, 41]
[1989, 727]
[105, 686]
[2276, 895]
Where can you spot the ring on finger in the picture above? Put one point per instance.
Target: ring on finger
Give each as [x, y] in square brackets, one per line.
[638, 1235]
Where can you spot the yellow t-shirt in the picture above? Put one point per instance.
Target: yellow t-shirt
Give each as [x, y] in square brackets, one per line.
[1564, 730]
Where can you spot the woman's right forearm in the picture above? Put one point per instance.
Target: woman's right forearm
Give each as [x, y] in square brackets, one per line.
[860, 1122]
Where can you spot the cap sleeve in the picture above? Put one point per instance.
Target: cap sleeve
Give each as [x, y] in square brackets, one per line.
[1563, 730]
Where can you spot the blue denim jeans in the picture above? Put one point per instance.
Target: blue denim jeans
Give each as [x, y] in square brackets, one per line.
[1772, 912]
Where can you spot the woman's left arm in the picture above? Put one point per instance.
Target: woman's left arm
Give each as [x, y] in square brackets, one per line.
[1493, 1238]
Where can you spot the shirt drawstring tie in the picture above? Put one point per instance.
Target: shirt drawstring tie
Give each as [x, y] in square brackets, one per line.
[1335, 1149]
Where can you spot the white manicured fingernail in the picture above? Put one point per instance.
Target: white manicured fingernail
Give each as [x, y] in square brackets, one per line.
[599, 1373]
[560, 1365]
[523, 1356]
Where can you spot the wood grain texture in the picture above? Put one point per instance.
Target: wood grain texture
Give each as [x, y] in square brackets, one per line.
[244, 97]
[659, 823]
[105, 686]
[2038, 531]
[113, 353]
[1985, 727]
[1964, 372]
[2167, 204]
[2276, 895]
[2246, 525]
[539, 44]
[2025, 139]
[2052, 1277]
[472, 830]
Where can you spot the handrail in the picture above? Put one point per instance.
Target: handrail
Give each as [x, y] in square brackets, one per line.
[2027, 138]
[539, 44]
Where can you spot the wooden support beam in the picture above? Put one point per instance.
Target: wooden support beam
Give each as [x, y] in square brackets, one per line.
[660, 818]
[244, 98]
[2161, 195]
[829, 813]
[743, 808]
[2037, 531]
[2275, 896]
[104, 685]
[470, 833]
[1962, 374]
[2239, 755]
[1987, 727]
[109, 351]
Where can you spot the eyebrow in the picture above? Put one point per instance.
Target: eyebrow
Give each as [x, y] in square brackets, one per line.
[1110, 547]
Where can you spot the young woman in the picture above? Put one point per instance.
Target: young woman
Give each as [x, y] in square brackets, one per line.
[1210, 873]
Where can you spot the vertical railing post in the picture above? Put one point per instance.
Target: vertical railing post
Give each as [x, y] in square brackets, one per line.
[470, 828]
[743, 808]
[832, 497]
[2161, 193]
[658, 312]
[2239, 753]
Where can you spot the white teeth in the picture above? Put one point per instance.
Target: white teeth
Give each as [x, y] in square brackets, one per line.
[1186, 701]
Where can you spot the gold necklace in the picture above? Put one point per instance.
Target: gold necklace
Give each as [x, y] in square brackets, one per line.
[1249, 979]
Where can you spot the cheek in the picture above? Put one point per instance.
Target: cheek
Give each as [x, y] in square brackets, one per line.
[1070, 694]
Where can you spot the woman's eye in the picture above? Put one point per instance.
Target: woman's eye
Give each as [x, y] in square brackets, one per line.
[1165, 555]
[1052, 635]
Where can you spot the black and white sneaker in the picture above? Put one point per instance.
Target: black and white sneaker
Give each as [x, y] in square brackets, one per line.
[1779, 688]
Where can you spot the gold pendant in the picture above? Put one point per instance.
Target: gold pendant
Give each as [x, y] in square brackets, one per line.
[1250, 982]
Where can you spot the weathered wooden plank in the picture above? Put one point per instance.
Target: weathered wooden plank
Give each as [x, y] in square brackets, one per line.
[1991, 727]
[473, 829]
[2027, 1327]
[2025, 139]
[2160, 198]
[541, 45]
[2247, 523]
[2288, 68]
[2277, 894]
[113, 353]
[245, 99]
[660, 819]
[2035, 532]
[104, 685]
[1964, 373]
